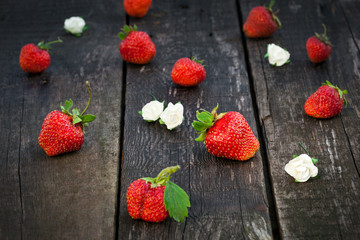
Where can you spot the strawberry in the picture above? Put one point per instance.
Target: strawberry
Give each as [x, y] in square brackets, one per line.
[188, 72]
[154, 199]
[136, 46]
[137, 8]
[63, 132]
[326, 102]
[319, 47]
[226, 135]
[261, 22]
[35, 59]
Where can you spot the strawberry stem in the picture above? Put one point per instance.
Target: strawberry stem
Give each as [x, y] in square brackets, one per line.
[89, 101]
[165, 174]
[46, 46]
[272, 2]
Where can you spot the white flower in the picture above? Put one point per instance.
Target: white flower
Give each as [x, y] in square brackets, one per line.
[301, 168]
[152, 110]
[277, 55]
[173, 115]
[74, 25]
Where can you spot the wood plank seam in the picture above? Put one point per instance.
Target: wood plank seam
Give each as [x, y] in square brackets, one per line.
[263, 149]
[19, 168]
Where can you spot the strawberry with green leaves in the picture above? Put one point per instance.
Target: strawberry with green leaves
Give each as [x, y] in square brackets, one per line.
[36, 58]
[261, 22]
[326, 102]
[188, 72]
[154, 199]
[226, 135]
[136, 46]
[319, 47]
[63, 132]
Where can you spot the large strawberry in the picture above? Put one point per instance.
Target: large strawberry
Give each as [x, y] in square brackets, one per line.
[154, 199]
[319, 47]
[226, 135]
[63, 132]
[36, 58]
[137, 8]
[326, 102]
[136, 46]
[188, 72]
[261, 22]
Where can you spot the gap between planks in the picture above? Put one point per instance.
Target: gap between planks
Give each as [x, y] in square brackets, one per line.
[274, 221]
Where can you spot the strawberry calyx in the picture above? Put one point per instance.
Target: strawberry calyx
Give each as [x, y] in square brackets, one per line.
[341, 92]
[75, 113]
[323, 38]
[206, 121]
[126, 30]
[275, 18]
[198, 61]
[176, 201]
[46, 46]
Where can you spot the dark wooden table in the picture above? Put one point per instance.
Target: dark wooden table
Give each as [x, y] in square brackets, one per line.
[82, 195]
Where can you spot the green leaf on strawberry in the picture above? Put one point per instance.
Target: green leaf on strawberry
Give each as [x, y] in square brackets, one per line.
[206, 121]
[126, 30]
[75, 113]
[176, 201]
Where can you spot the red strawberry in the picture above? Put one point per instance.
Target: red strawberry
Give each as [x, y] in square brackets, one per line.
[35, 59]
[326, 102]
[154, 199]
[136, 47]
[261, 22]
[63, 132]
[188, 72]
[319, 47]
[226, 135]
[137, 8]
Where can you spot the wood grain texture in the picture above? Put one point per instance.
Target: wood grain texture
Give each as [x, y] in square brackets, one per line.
[228, 198]
[72, 196]
[328, 207]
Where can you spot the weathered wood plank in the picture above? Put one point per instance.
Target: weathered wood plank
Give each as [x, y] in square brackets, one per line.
[72, 196]
[325, 208]
[228, 197]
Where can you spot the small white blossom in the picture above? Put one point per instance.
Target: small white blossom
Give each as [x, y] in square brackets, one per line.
[301, 168]
[277, 55]
[173, 115]
[74, 25]
[152, 110]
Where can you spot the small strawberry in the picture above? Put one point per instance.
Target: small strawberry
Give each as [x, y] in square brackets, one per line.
[226, 135]
[35, 59]
[154, 199]
[188, 72]
[137, 8]
[261, 22]
[136, 47]
[326, 102]
[63, 132]
[319, 47]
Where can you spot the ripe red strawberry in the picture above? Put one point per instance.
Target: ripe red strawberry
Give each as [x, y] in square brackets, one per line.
[154, 199]
[137, 8]
[188, 72]
[226, 135]
[319, 47]
[63, 132]
[326, 102]
[136, 47]
[261, 22]
[35, 59]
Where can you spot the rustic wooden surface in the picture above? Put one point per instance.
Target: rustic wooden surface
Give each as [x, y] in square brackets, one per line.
[82, 195]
